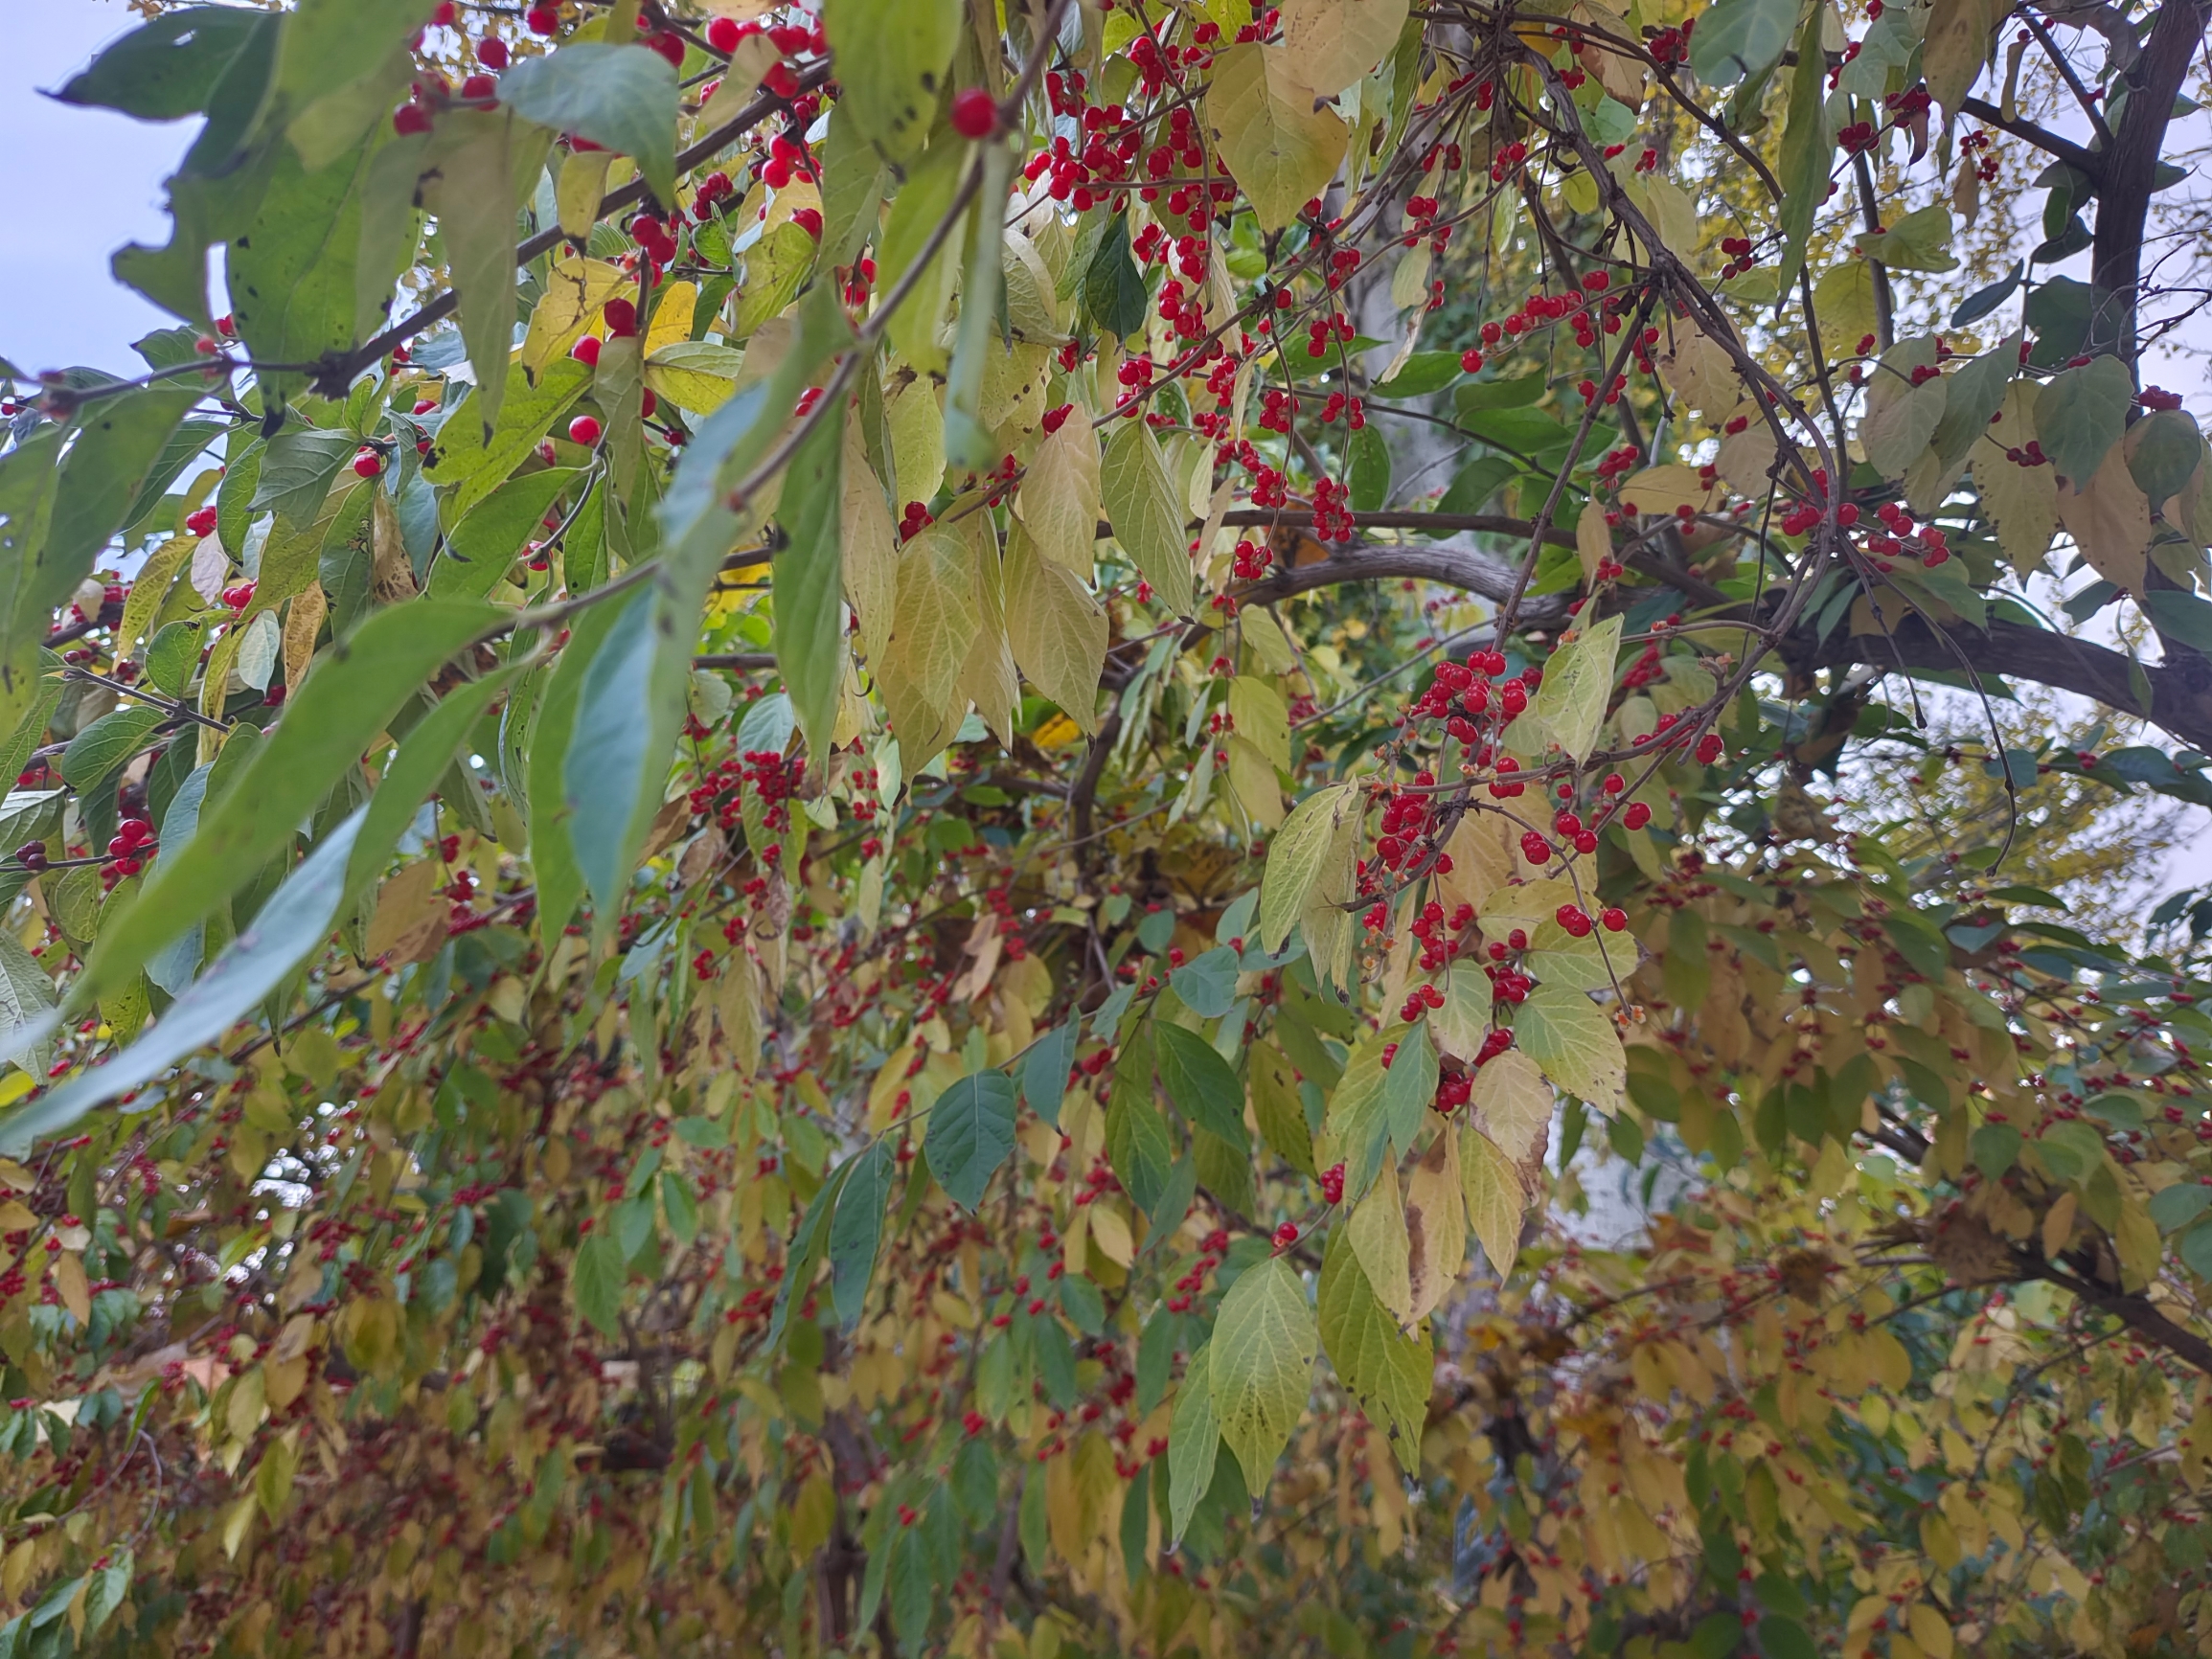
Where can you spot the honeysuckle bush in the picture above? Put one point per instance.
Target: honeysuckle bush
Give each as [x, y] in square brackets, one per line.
[794, 868]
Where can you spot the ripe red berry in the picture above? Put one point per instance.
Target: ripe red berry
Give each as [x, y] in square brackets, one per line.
[543, 19]
[975, 113]
[479, 89]
[1285, 1235]
[621, 319]
[670, 46]
[650, 402]
[723, 35]
[443, 16]
[367, 464]
[492, 53]
[586, 351]
[201, 521]
[1709, 748]
[584, 429]
[809, 220]
[1615, 918]
[1637, 815]
[410, 118]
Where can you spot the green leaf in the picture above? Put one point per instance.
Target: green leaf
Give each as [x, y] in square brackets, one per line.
[2080, 414]
[2177, 1206]
[1571, 1039]
[169, 67]
[598, 1276]
[1261, 1367]
[856, 1230]
[1737, 39]
[26, 1001]
[1138, 1146]
[1995, 1149]
[971, 1133]
[291, 275]
[805, 1254]
[622, 98]
[1194, 1442]
[481, 547]
[481, 166]
[808, 580]
[1785, 1638]
[1806, 149]
[116, 447]
[297, 466]
[552, 859]
[1295, 859]
[2164, 450]
[1388, 1370]
[423, 758]
[1369, 472]
[1143, 507]
[478, 465]
[1044, 1072]
[1421, 373]
[1207, 983]
[891, 62]
[295, 921]
[1113, 288]
[1919, 242]
[1410, 1085]
[345, 702]
[619, 752]
[2183, 616]
[1358, 1124]
[106, 744]
[1983, 300]
[1201, 1083]
[1571, 705]
[1279, 1110]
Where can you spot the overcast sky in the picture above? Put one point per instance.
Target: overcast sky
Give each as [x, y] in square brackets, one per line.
[79, 183]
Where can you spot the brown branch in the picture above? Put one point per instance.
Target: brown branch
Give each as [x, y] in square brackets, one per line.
[2139, 1315]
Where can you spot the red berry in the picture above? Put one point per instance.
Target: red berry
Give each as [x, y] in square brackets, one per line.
[649, 403]
[1637, 815]
[1285, 1235]
[1615, 918]
[410, 118]
[586, 351]
[1709, 748]
[443, 16]
[492, 53]
[584, 429]
[621, 319]
[809, 220]
[367, 463]
[201, 521]
[479, 89]
[543, 19]
[975, 113]
[670, 46]
[723, 35]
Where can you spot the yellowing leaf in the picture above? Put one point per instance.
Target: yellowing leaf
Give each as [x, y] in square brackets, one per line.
[1513, 1106]
[1193, 1442]
[671, 317]
[2024, 500]
[1593, 539]
[1570, 1038]
[1280, 150]
[1261, 1365]
[1058, 498]
[2109, 520]
[1571, 705]
[575, 294]
[1297, 857]
[696, 375]
[1057, 629]
[1334, 42]
[1496, 1200]
[1664, 488]
[1388, 1370]
[871, 552]
[935, 621]
[1143, 506]
[1379, 1239]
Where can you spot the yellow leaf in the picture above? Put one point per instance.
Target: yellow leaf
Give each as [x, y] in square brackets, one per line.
[1664, 488]
[1282, 149]
[69, 1280]
[871, 540]
[696, 375]
[1931, 1630]
[672, 316]
[1334, 42]
[1057, 502]
[1593, 539]
[2024, 500]
[1109, 1231]
[1513, 1106]
[2059, 1225]
[2109, 520]
[1435, 1224]
[576, 292]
